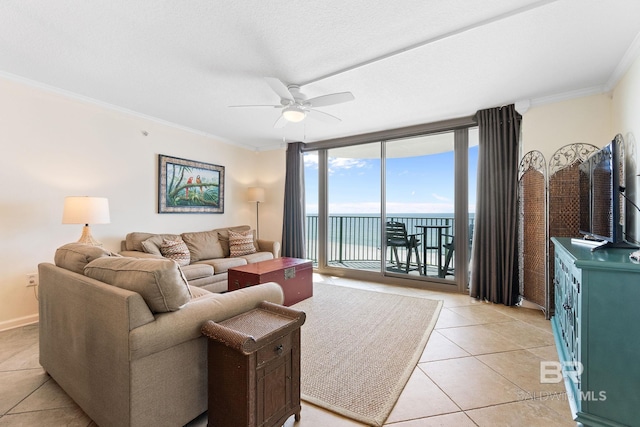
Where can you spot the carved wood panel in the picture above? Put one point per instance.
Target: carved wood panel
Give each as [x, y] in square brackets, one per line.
[564, 201]
[532, 205]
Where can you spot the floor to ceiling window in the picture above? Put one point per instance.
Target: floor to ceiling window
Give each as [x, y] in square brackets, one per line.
[353, 207]
[311, 204]
[400, 207]
[420, 196]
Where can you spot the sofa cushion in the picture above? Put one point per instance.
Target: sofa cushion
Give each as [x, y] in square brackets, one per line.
[75, 256]
[197, 271]
[257, 257]
[221, 265]
[203, 245]
[223, 236]
[160, 282]
[176, 250]
[241, 243]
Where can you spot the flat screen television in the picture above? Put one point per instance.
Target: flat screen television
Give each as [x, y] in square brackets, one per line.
[600, 198]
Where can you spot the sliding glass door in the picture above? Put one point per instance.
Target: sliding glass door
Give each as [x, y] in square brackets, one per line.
[420, 203]
[353, 207]
[398, 208]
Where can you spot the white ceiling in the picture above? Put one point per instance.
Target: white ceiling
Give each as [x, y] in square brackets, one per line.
[185, 62]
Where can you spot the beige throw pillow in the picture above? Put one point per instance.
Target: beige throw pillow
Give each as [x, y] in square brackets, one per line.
[241, 243]
[203, 245]
[223, 236]
[176, 250]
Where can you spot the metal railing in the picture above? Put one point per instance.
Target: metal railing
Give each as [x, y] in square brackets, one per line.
[358, 238]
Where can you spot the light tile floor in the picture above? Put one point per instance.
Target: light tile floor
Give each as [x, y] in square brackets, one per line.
[480, 368]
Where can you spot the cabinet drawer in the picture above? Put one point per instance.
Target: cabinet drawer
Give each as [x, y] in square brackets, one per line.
[274, 349]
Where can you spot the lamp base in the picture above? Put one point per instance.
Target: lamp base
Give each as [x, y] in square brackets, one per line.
[87, 238]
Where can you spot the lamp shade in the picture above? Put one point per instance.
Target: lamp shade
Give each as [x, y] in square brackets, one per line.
[85, 210]
[255, 194]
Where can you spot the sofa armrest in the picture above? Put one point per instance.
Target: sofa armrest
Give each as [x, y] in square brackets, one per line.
[269, 246]
[170, 329]
[139, 254]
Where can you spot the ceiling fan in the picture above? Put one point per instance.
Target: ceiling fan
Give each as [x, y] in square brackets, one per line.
[295, 106]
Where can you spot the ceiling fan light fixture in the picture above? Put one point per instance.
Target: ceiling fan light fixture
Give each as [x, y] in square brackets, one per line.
[294, 114]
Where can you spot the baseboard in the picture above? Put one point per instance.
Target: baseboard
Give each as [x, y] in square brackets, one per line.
[20, 321]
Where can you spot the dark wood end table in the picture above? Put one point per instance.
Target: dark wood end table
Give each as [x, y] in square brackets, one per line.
[254, 367]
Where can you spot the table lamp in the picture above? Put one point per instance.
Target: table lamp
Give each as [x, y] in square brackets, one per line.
[86, 210]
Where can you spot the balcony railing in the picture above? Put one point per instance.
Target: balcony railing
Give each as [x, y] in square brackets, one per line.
[358, 238]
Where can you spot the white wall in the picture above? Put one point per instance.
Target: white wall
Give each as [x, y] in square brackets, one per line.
[547, 128]
[54, 146]
[271, 177]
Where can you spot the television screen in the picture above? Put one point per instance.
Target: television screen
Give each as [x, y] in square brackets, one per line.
[602, 194]
[601, 202]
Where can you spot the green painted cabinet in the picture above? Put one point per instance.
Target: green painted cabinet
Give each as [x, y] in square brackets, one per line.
[596, 325]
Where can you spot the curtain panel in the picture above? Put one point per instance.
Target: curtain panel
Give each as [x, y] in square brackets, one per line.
[293, 226]
[494, 270]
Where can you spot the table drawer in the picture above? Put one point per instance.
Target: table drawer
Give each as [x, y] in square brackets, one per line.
[273, 350]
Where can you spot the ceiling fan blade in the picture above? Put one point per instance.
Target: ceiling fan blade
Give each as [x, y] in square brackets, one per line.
[280, 123]
[242, 106]
[332, 99]
[279, 88]
[322, 116]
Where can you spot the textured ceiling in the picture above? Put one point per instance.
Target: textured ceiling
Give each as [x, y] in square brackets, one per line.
[406, 62]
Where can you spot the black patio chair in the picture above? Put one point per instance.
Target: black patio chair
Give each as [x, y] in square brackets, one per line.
[397, 237]
[449, 248]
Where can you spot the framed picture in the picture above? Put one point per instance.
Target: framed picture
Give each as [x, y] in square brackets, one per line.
[187, 186]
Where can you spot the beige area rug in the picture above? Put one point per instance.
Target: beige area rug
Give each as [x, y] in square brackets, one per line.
[359, 348]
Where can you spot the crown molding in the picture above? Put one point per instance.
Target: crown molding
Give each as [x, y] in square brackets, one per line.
[565, 96]
[625, 63]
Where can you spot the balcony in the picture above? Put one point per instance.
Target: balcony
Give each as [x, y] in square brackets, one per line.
[355, 241]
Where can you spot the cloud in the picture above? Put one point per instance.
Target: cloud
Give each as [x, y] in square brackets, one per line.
[441, 198]
[338, 163]
[311, 161]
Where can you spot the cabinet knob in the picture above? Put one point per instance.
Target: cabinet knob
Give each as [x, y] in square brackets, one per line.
[279, 349]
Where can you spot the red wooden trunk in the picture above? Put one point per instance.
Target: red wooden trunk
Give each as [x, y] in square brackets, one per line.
[293, 274]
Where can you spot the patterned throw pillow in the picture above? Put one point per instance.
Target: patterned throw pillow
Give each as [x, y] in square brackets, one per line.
[241, 243]
[176, 250]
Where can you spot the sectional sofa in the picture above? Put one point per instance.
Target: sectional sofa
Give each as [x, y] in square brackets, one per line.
[206, 255]
[122, 336]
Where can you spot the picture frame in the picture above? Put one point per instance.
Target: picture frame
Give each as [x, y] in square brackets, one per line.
[189, 186]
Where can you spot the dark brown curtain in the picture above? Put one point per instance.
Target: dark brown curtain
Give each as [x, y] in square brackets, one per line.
[293, 227]
[494, 271]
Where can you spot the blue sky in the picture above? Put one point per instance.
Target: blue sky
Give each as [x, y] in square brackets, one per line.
[422, 184]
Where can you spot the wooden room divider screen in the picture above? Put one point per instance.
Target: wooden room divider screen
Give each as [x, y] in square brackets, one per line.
[549, 205]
